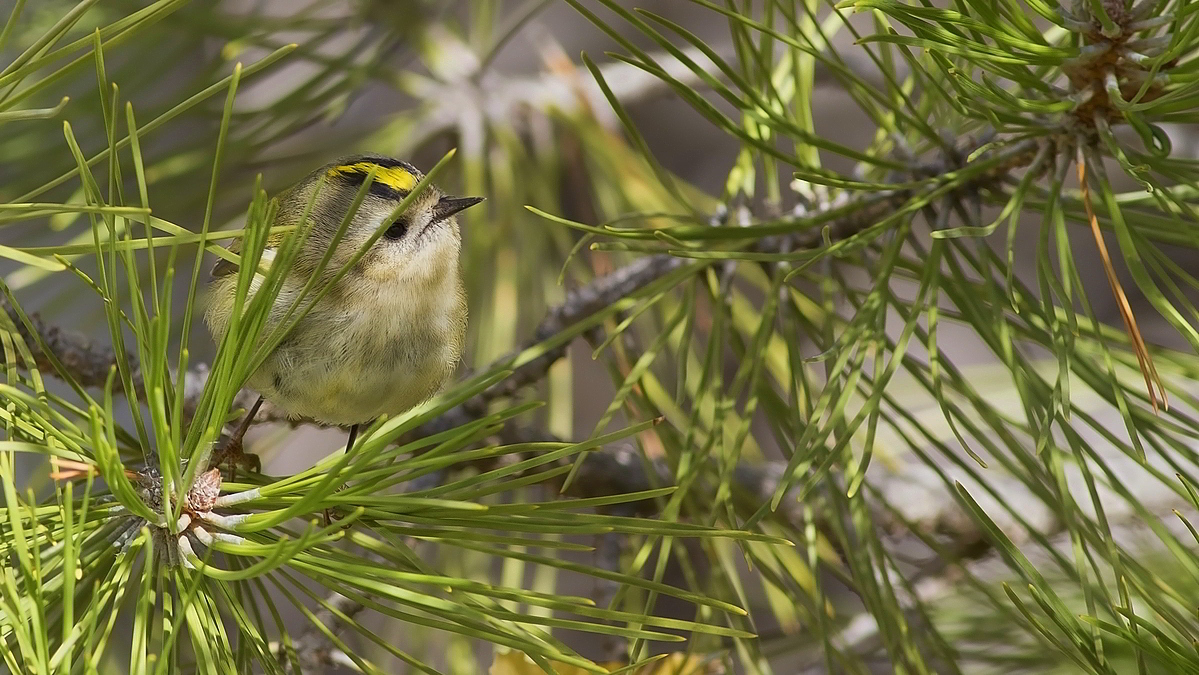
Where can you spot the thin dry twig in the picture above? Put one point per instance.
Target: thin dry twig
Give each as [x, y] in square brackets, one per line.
[1153, 382]
[85, 361]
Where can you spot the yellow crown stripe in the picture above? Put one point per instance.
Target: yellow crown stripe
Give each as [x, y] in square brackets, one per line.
[395, 177]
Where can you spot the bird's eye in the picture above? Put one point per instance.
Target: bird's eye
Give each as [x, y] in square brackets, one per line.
[397, 230]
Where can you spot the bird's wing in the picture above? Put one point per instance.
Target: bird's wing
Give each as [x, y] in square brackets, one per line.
[224, 268]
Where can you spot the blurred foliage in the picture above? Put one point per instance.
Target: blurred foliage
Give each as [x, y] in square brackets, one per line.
[515, 663]
[840, 491]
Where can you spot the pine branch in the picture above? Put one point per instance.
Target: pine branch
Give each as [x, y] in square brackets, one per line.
[85, 361]
[614, 470]
[89, 364]
[313, 650]
[861, 635]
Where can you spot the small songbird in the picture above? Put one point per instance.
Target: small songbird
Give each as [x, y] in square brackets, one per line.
[390, 332]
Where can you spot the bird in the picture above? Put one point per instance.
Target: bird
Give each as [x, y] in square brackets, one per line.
[390, 332]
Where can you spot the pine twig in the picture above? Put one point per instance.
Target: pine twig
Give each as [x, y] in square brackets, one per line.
[611, 473]
[85, 361]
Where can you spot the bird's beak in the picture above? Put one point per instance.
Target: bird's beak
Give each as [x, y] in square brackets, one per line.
[448, 206]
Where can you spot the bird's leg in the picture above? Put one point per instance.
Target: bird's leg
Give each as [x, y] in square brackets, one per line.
[349, 446]
[233, 452]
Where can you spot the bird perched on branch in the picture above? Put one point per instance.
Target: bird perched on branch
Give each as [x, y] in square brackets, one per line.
[389, 332]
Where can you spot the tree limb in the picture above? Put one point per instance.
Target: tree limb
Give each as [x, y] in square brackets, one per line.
[614, 470]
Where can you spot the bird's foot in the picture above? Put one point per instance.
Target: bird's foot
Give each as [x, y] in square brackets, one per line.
[232, 454]
[331, 512]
